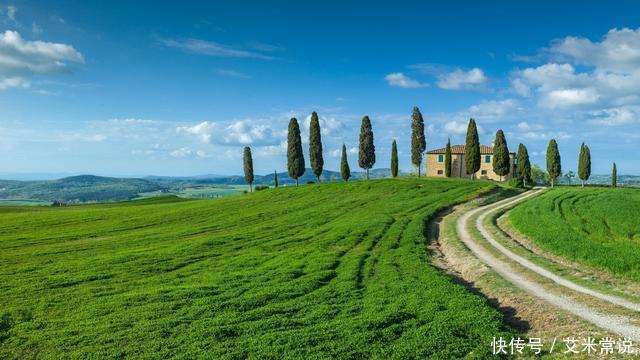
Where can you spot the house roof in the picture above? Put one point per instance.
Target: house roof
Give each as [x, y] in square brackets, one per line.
[459, 149]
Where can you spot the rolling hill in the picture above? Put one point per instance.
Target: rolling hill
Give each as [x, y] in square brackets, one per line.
[332, 270]
[83, 188]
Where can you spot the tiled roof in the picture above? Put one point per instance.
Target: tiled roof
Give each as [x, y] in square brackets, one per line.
[459, 149]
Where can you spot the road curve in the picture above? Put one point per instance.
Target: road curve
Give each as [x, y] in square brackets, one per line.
[620, 325]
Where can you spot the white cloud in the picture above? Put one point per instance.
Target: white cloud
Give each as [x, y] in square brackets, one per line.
[36, 29]
[241, 132]
[14, 82]
[337, 153]
[619, 50]
[462, 80]
[613, 116]
[490, 110]
[570, 97]
[456, 127]
[211, 48]
[11, 12]
[21, 58]
[401, 80]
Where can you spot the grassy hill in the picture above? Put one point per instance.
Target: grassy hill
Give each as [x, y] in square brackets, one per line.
[597, 226]
[81, 188]
[332, 270]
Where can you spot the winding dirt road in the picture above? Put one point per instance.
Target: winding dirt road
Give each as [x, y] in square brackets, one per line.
[621, 325]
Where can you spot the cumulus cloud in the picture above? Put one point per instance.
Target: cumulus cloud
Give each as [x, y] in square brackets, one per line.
[241, 132]
[619, 50]
[462, 79]
[21, 59]
[609, 76]
[401, 80]
[613, 116]
[211, 48]
[492, 110]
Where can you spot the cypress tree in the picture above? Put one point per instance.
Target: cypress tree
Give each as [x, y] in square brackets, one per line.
[501, 159]
[345, 172]
[315, 146]
[524, 166]
[295, 158]
[275, 179]
[418, 142]
[554, 167]
[584, 163]
[367, 153]
[447, 159]
[248, 167]
[614, 176]
[394, 159]
[472, 149]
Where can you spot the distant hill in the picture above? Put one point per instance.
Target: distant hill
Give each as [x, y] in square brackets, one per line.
[82, 188]
[283, 178]
[623, 180]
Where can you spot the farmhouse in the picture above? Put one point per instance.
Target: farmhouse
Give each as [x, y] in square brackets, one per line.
[435, 163]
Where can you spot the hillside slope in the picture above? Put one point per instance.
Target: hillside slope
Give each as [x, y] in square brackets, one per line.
[327, 270]
[596, 226]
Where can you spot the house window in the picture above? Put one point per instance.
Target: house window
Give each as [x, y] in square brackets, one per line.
[483, 172]
[439, 172]
[487, 158]
[440, 158]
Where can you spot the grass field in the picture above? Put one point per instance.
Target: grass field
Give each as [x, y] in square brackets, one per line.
[201, 192]
[596, 226]
[334, 270]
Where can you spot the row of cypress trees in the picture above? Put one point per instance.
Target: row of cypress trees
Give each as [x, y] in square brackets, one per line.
[366, 153]
[367, 156]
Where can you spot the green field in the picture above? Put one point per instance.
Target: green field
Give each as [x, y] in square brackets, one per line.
[334, 270]
[201, 192]
[596, 226]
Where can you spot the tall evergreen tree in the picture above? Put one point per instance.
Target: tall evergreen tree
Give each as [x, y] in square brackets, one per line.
[614, 176]
[447, 159]
[295, 158]
[394, 159]
[315, 146]
[248, 167]
[345, 172]
[524, 166]
[418, 142]
[554, 167]
[472, 149]
[275, 179]
[501, 158]
[367, 153]
[584, 163]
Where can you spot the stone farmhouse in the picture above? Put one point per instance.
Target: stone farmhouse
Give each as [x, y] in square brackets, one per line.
[435, 163]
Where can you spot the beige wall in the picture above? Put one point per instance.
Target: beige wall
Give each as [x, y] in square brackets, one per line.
[459, 170]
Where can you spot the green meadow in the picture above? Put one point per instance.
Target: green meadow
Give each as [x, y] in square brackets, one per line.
[331, 270]
[593, 225]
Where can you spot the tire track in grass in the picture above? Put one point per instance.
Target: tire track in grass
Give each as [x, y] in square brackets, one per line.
[618, 324]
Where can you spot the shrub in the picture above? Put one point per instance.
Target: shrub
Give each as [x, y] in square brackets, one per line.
[261, 187]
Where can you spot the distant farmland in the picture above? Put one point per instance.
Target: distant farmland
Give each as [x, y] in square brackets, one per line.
[596, 226]
[326, 270]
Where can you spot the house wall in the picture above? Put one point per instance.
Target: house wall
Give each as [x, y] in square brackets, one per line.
[458, 168]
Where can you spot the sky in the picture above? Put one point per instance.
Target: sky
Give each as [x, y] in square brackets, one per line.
[133, 88]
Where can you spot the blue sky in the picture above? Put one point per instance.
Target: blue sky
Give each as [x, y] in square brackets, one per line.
[178, 88]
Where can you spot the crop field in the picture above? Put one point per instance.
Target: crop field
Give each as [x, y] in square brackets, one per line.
[596, 226]
[326, 270]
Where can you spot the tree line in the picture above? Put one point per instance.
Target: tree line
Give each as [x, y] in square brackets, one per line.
[367, 154]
